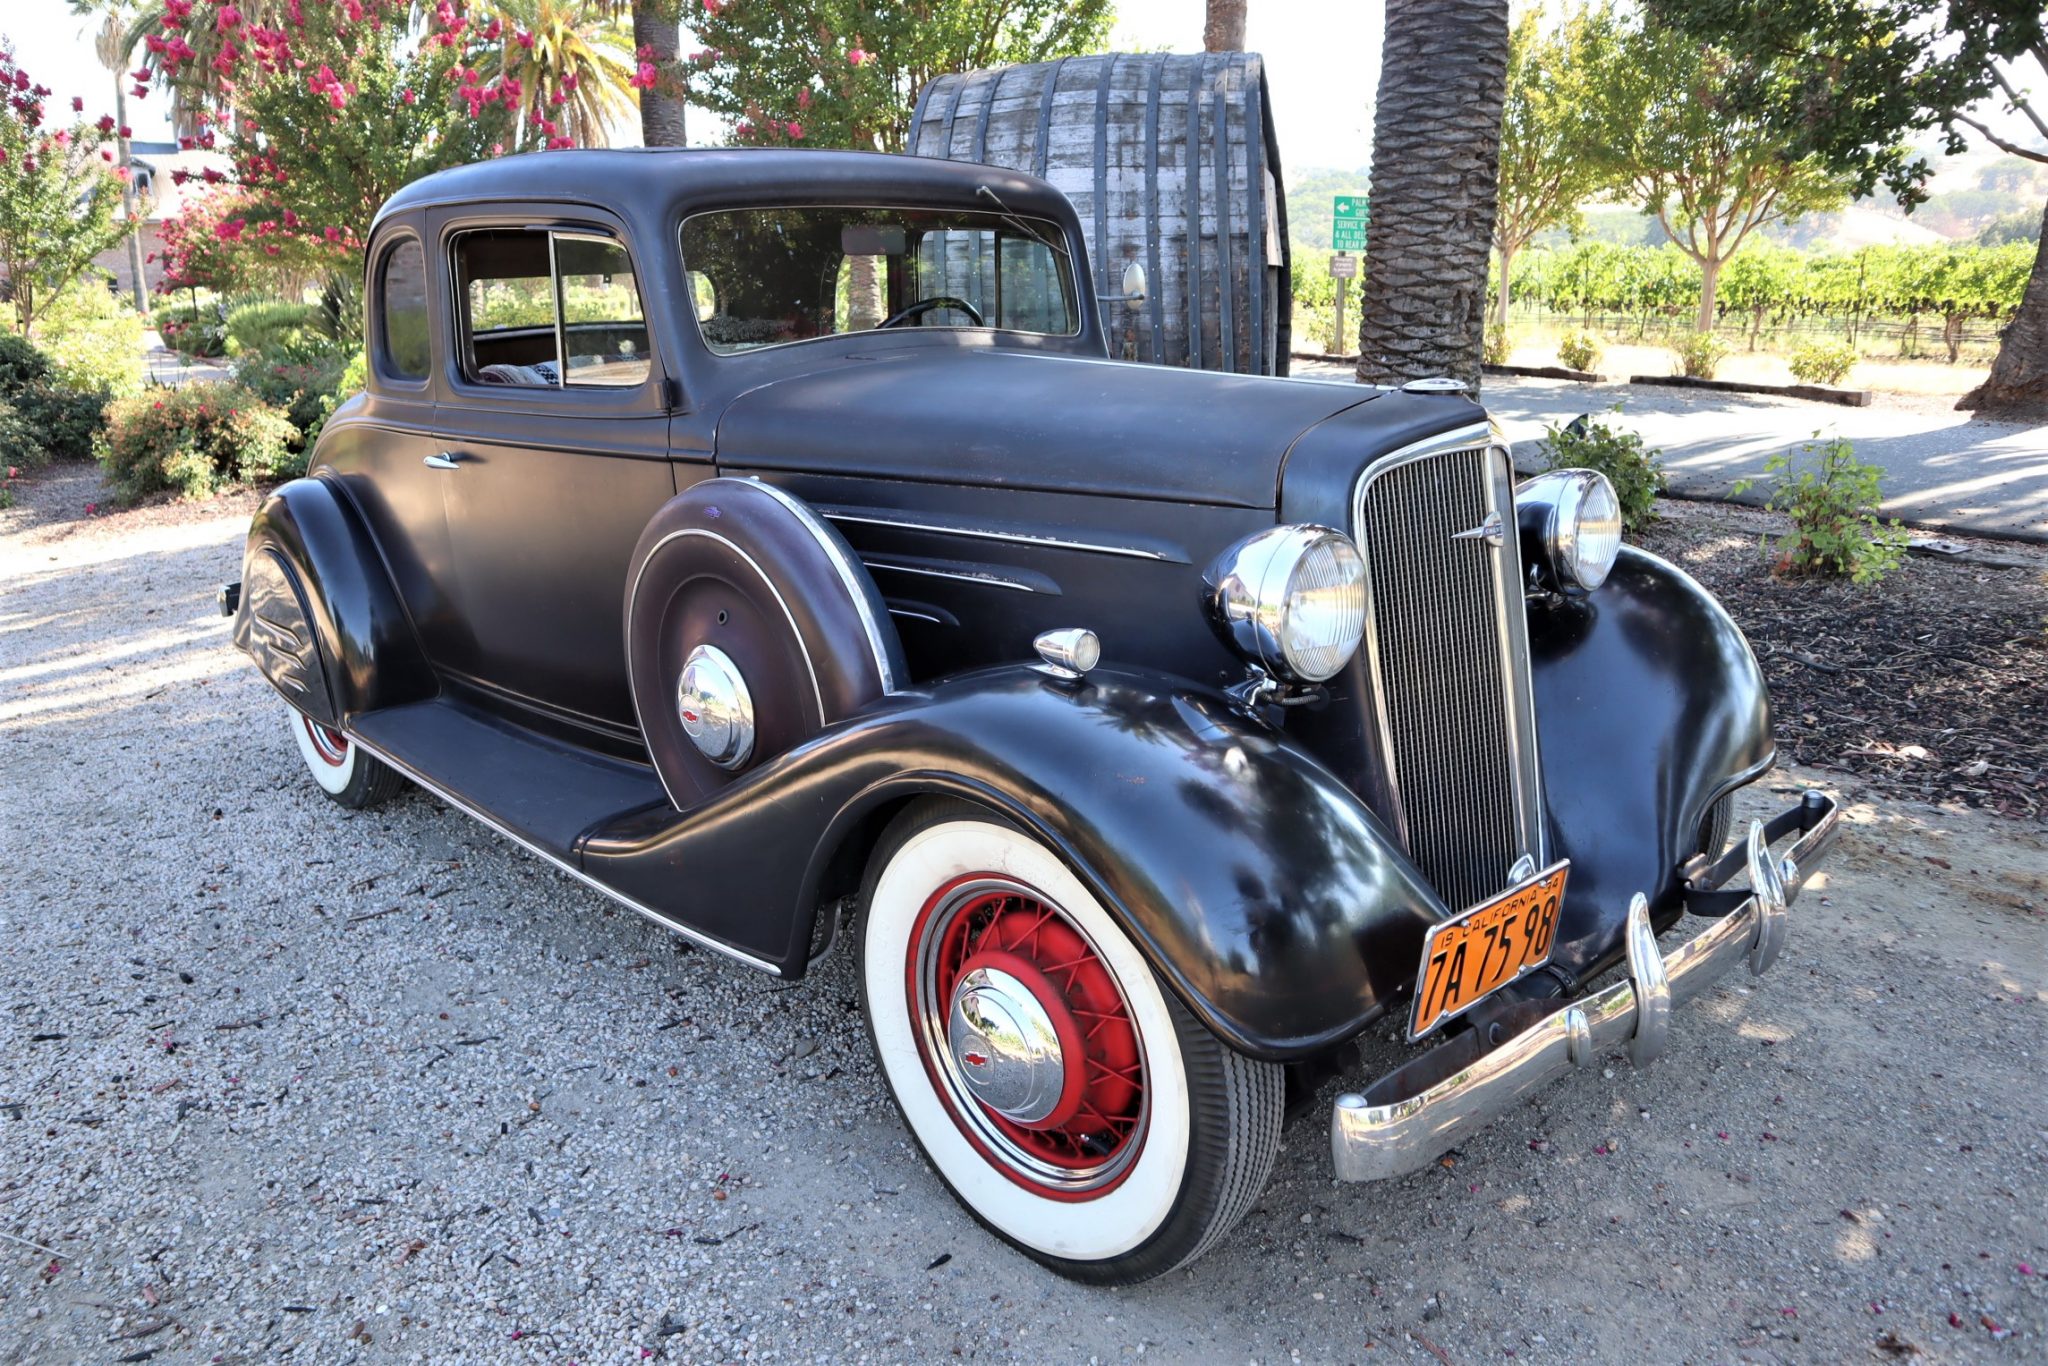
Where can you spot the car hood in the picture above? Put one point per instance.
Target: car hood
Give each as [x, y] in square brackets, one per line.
[1017, 419]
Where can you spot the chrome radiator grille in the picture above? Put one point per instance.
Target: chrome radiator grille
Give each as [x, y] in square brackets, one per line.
[1447, 653]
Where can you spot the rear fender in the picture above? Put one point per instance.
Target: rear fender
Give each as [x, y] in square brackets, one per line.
[1267, 895]
[1649, 708]
[318, 614]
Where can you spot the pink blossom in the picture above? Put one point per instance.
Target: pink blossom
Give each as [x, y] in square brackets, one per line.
[291, 220]
[796, 130]
[106, 123]
[408, 96]
[126, 131]
[229, 18]
[106, 156]
[803, 98]
[77, 105]
[230, 230]
[569, 81]
[857, 56]
[144, 74]
[523, 38]
[713, 6]
[62, 137]
[177, 11]
[645, 78]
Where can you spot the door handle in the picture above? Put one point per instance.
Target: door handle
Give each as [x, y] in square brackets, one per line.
[443, 460]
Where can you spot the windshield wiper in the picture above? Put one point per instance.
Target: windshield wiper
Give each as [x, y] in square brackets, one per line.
[1021, 225]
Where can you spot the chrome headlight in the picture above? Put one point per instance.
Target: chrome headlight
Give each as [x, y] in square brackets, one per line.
[1291, 600]
[1572, 519]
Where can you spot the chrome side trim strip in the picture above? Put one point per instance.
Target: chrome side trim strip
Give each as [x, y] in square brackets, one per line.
[483, 818]
[985, 580]
[944, 528]
[838, 552]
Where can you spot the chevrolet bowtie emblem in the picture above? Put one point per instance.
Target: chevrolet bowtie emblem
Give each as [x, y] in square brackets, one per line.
[1488, 531]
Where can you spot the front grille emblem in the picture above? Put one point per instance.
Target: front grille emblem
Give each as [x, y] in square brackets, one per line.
[1488, 531]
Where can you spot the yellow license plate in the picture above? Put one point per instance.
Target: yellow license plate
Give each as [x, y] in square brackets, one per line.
[1479, 951]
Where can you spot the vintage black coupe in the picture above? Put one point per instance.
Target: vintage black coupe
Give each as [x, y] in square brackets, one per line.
[767, 540]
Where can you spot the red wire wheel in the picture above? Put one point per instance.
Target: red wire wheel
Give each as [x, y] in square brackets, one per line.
[1027, 1037]
[330, 745]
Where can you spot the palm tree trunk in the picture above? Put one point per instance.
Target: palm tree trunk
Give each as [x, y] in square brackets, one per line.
[2019, 377]
[1435, 176]
[661, 109]
[131, 202]
[1223, 26]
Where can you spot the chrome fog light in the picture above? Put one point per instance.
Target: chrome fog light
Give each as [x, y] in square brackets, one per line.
[1291, 600]
[1574, 519]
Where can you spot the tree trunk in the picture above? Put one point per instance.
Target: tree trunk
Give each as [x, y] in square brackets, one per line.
[1710, 287]
[1500, 300]
[2019, 377]
[130, 201]
[661, 107]
[1435, 179]
[1223, 29]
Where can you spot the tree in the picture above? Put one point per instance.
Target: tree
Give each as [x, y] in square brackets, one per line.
[1710, 173]
[114, 44]
[336, 109]
[566, 65]
[1848, 82]
[846, 73]
[1435, 176]
[1223, 26]
[661, 78]
[58, 190]
[1552, 153]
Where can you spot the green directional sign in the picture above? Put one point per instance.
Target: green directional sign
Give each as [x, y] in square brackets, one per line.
[1349, 215]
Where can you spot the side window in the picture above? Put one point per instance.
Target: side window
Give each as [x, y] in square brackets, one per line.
[533, 300]
[402, 351]
[602, 328]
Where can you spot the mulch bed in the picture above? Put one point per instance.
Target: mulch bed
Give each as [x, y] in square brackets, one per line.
[1932, 684]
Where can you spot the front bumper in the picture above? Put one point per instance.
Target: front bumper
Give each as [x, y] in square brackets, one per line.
[1410, 1117]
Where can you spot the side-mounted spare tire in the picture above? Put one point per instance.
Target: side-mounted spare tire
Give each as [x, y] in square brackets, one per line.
[750, 627]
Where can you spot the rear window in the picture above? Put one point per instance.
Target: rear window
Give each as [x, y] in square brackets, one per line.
[402, 311]
[549, 310]
[764, 277]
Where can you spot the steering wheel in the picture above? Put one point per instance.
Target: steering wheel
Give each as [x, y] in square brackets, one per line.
[924, 306]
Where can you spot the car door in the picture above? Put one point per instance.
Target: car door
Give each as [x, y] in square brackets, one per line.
[385, 459]
[555, 432]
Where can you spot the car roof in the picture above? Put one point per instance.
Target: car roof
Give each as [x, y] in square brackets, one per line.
[658, 178]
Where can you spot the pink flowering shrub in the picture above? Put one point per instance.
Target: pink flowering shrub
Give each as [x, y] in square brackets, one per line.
[196, 439]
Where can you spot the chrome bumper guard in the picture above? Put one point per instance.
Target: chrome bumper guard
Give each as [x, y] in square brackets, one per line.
[1395, 1127]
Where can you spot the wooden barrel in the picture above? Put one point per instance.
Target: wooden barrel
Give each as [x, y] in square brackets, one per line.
[1171, 162]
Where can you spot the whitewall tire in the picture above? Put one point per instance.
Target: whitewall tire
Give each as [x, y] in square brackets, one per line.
[340, 766]
[1067, 1099]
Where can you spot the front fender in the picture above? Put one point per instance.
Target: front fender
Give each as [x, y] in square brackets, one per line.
[1649, 708]
[318, 613]
[1265, 893]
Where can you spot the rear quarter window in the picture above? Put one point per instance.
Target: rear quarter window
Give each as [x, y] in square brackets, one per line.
[401, 314]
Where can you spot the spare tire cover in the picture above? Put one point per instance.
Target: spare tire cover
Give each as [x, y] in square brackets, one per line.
[754, 572]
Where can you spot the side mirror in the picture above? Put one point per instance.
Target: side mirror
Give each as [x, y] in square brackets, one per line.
[1136, 287]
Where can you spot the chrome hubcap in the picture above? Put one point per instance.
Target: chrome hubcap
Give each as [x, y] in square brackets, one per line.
[1005, 1046]
[716, 710]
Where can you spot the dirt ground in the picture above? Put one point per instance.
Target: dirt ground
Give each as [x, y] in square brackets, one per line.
[282, 1082]
[1932, 684]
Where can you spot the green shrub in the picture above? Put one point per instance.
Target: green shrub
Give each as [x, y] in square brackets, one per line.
[193, 329]
[302, 388]
[1498, 347]
[19, 446]
[277, 325]
[1832, 499]
[94, 342]
[1822, 362]
[51, 421]
[1636, 471]
[1700, 354]
[1579, 350]
[354, 378]
[196, 439]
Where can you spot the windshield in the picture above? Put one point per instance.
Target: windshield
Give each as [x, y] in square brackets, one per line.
[763, 277]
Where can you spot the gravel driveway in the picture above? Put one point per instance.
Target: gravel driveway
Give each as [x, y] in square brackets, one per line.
[279, 1080]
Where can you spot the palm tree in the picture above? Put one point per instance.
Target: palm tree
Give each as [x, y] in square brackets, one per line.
[114, 44]
[576, 71]
[1223, 26]
[655, 25]
[1435, 172]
